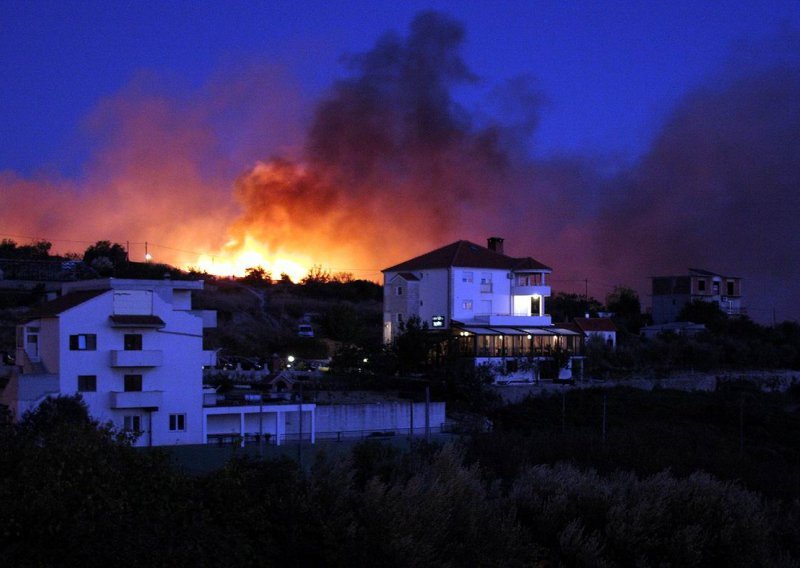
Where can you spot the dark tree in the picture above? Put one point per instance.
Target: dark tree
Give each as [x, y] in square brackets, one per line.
[105, 257]
[707, 313]
[40, 250]
[627, 308]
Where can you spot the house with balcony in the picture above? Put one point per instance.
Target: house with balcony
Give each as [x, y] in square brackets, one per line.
[672, 293]
[491, 306]
[133, 349]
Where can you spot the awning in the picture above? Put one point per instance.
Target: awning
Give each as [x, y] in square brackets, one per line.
[136, 321]
[497, 330]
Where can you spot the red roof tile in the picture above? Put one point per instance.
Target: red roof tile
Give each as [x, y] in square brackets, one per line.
[595, 324]
[467, 255]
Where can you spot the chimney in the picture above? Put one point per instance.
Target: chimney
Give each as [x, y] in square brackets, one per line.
[496, 244]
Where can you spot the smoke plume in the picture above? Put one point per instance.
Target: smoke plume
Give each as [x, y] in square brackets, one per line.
[392, 166]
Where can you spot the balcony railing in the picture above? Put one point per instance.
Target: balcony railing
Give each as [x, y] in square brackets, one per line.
[148, 358]
[514, 319]
[136, 399]
[530, 291]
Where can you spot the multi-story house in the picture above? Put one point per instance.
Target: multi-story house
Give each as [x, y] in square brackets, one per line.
[672, 293]
[132, 348]
[494, 305]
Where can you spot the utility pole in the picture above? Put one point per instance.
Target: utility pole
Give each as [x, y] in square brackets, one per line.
[300, 427]
[741, 426]
[427, 413]
[261, 424]
[605, 396]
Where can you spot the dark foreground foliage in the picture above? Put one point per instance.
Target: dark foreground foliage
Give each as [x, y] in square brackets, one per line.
[74, 493]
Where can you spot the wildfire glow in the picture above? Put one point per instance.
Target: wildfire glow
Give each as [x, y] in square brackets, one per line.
[235, 258]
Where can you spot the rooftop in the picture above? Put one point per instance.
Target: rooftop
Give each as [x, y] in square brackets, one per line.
[467, 254]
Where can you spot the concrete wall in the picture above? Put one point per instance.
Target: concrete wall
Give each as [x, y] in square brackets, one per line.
[358, 419]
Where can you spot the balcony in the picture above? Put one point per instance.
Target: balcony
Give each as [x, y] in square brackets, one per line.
[209, 317]
[136, 399]
[514, 319]
[209, 358]
[543, 291]
[149, 358]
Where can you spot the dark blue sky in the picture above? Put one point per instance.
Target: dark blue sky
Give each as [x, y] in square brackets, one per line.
[610, 71]
[612, 140]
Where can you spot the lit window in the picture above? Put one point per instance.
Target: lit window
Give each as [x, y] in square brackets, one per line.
[83, 342]
[466, 305]
[467, 277]
[177, 422]
[87, 383]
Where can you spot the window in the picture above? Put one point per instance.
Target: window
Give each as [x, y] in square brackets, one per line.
[715, 288]
[87, 383]
[701, 285]
[177, 422]
[83, 342]
[399, 291]
[132, 423]
[467, 277]
[133, 342]
[437, 321]
[730, 288]
[133, 383]
[466, 305]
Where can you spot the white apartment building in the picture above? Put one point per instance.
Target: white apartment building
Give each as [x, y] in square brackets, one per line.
[494, 304]
[133, 349]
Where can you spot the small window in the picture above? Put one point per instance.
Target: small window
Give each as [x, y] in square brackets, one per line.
[87, 383]
[133, 342]
[133, 383]
[177, 422]
[399, 291]
[400, 319]
[730, 288]
[701, 285]
[132, 423]
[83, 342]
[467, 277]
[466, 305]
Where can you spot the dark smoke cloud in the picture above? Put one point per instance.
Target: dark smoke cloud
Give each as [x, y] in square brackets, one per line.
[719, 189]
[394, 167]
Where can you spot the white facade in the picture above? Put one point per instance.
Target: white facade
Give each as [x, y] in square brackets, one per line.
[469, 284]
[133, 349]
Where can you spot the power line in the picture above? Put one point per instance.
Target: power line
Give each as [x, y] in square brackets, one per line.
[157, 245]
